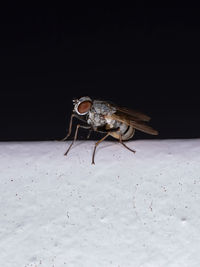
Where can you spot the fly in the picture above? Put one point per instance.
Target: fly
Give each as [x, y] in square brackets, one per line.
[101, 116]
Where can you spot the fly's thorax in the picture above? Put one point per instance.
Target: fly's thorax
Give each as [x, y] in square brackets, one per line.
[96, 115]
[95, 119]
[112, 124]
[103, 108]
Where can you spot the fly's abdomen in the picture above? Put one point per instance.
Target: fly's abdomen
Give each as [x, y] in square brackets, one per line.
[126, 132]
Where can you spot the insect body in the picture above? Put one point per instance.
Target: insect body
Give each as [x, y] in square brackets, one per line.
[101, 116]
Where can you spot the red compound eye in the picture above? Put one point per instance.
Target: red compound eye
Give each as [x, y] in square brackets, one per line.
[84, 106]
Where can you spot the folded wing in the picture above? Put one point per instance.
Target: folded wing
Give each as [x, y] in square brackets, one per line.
[135, 115]
[133, 118]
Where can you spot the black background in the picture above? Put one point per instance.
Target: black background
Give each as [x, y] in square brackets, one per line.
[145, 59]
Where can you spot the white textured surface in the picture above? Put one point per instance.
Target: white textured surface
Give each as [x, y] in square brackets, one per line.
[129, 209]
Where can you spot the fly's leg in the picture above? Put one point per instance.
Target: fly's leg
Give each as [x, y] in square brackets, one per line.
[75, 136]
[121, 142]
[88, 136]
[70, 128]
[70, 125]
[97, 143]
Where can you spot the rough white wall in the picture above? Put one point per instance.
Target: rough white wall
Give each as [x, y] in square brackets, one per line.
[129, 209]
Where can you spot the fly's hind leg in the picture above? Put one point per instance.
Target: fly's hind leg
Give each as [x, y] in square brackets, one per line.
[121, 142]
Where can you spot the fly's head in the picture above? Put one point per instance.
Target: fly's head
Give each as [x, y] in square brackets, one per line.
[82, 105]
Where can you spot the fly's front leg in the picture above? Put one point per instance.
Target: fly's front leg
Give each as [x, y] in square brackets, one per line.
[70, 128]
[70, 125]
[121, 142]
[75, 136]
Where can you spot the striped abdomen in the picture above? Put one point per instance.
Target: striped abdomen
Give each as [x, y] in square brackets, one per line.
[126, 132]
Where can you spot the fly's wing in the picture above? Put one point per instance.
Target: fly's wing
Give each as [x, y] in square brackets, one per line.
[133, 114]
[143, 127]
[129, 120]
